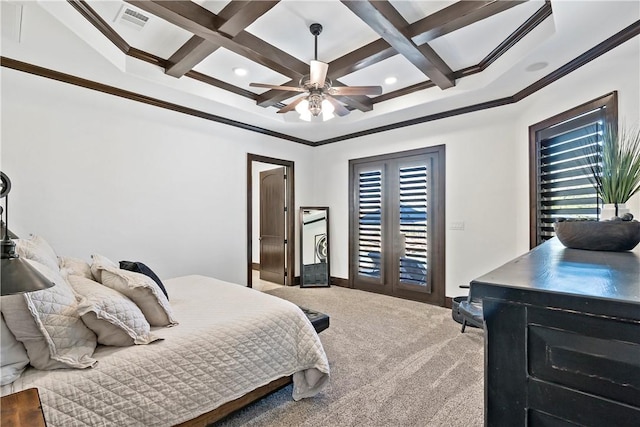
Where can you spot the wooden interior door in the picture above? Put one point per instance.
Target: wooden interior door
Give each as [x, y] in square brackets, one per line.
[397, 225]
[272, 225]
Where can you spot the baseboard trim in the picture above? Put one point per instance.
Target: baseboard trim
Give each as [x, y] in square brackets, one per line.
[339, 281]
[255, 266]
[448, 302]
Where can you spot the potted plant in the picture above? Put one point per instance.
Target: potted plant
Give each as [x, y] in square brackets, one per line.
[616, 178]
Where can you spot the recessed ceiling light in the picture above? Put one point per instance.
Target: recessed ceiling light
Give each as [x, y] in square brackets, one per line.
[537, 66]
[390, 80]
[240, 71]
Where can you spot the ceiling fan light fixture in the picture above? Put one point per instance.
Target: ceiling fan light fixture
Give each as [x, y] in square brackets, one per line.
[327, 110]
[327, 107]
[302, 107]
[315, 103]
[320, 94]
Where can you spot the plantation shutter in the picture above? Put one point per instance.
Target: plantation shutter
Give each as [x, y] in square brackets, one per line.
[413, 193]
[566, 154]
[370, 223]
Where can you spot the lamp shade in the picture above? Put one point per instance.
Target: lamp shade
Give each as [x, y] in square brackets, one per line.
[17, 275]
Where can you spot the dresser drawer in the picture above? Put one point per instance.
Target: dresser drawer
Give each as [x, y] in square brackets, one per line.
[595, 355]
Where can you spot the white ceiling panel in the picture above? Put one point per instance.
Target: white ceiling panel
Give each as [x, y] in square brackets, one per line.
[214, 6]
[469, 45]
[287, 27]
[413, 11]
[221, 63]
[397, 66]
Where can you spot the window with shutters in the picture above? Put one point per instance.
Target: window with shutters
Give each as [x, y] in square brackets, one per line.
[397, 224]
[562, 155]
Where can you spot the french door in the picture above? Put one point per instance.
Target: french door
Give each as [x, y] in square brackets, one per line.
[397, 224]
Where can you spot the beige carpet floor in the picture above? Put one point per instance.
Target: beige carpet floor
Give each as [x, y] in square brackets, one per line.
[393, 363]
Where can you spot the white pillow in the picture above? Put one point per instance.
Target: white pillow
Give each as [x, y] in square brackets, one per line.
[75, 266]
[99, 263]
[139, 288]
[13, 356]
[37, 249]
[144, 292]
[114, 318]
[48, 324]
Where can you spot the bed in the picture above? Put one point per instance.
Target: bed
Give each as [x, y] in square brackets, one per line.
[232, 345]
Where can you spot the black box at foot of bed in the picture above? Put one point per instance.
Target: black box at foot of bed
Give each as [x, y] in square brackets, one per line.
[320, 321]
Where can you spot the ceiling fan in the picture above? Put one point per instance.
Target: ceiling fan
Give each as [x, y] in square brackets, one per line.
[319, 90]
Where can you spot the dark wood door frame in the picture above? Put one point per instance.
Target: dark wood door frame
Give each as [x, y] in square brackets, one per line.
[290, 228]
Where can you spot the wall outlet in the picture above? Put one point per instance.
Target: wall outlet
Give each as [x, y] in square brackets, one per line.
[456, 225]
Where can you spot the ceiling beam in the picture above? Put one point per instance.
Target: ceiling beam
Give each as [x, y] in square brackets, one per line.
[385, 20]
[358, 59]
[205, 24]
[237, 15]
[456, 16]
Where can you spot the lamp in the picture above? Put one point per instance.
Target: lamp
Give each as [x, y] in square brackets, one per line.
[16, 274]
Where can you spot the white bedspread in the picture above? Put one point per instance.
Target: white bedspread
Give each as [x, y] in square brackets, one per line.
[229, 341]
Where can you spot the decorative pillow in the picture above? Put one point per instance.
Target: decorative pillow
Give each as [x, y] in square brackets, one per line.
[99, 263]
[138, 267]
[37, 249]
[13, 356]
[114, 318]
[48, 324]
[139, 288]
[75, 266]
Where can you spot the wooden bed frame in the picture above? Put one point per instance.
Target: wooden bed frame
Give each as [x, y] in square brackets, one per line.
[239, 403]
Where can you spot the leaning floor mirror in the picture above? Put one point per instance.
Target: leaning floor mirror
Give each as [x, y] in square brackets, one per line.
[314, 247]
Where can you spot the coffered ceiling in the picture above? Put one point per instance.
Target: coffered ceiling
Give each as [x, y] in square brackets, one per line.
[430, 57]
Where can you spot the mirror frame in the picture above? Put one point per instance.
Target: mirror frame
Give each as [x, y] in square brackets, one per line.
[301, 214]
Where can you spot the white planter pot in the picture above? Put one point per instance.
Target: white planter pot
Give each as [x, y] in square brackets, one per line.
[609, 211]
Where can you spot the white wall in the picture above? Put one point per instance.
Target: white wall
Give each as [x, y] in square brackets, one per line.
[486, 166]
[96, 173]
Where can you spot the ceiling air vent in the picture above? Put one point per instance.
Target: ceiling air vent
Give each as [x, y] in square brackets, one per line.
[131, 18]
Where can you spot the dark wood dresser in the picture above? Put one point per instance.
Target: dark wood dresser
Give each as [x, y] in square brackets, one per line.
[562, 338]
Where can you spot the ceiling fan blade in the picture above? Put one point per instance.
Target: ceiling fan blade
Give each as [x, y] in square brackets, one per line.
[291, 106]
[287, 88]
[318, 73]
[356, 90]
[340, 109]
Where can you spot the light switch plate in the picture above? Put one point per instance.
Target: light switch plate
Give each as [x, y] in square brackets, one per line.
[456, 225]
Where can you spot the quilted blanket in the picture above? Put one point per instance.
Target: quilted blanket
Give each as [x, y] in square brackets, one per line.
[229, 341]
